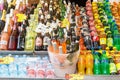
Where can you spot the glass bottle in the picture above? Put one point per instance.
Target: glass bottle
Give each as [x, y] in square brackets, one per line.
[29, 39]
[4, 37]
[21, 39]
[13, 39]
[45, 39]
[39, 42]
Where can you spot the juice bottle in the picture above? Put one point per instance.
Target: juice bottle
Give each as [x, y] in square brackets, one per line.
[81, 64]
[109, 40]
[89, 63]
[5, 37]
[113, 69]
[96, 68]
[103, 40]
[30, 39]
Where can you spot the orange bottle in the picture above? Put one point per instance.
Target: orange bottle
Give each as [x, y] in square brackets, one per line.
[5, 37]
[89, 63]
[81, 64]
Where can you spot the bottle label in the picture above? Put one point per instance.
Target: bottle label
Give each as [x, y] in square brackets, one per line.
[104, 61]
[29, 43]
[109, 42]
[38, 41]
[112, 68]
[102, 41]
[118, 66]
[3, 42]
[45, 41]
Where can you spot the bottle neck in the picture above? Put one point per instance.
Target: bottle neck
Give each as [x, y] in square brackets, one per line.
[3, 15]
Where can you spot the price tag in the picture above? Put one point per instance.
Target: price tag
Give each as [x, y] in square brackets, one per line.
[21, 17]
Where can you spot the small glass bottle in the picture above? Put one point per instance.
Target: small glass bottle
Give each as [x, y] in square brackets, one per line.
[39, 42]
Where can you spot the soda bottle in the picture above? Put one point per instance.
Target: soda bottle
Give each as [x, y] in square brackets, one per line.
[81, 64]
[113, 69]
[89, 63]
[104, 64]
[109, 40]
[96, 69]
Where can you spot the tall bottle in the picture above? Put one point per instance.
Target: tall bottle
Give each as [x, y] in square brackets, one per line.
[21, 39]
[103, 41]
[13, 39]
[97, 67]
[89, 63]
[5, 37]
[29, 39]
[104, 64]
[81, 64]
[109, 40]
[39, 42]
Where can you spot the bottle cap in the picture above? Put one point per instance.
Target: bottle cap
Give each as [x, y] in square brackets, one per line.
[11, 12]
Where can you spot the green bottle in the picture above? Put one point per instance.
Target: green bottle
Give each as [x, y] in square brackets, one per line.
[104, 64]
[96, 69]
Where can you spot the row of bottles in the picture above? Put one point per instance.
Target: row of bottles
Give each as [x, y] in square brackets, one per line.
[98, 63]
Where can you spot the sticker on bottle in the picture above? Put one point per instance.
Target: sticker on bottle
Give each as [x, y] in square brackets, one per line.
[21, 17]
[102, 41]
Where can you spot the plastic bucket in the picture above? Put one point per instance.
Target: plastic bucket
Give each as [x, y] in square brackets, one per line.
[64, 63]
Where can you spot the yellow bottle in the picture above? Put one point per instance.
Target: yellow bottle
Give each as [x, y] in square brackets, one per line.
[29, 40]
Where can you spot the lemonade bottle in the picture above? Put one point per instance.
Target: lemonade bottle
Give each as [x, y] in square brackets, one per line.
[30, 40]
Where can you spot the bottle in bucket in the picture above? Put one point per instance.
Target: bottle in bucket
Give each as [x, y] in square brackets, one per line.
[55, 48]
[50, 47]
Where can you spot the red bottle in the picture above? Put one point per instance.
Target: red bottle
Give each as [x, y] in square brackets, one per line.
[13, 39]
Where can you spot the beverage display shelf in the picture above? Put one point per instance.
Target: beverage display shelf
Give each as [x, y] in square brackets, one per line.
[86, 77]
[24, 52]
